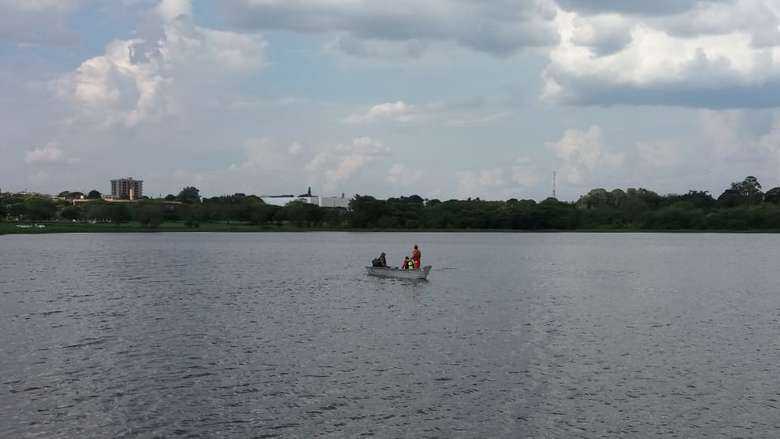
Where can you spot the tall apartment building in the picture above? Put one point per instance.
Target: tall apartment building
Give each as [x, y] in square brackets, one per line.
[127, 189]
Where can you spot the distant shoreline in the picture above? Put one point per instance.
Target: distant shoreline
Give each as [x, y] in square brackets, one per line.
[57, 228]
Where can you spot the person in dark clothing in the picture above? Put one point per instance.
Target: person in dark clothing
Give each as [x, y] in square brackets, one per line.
[381, 261]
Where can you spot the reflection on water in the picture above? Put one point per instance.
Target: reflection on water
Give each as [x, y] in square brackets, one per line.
[283, 335]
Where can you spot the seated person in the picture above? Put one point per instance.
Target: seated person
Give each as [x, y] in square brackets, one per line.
[416, 256]
[412, 265]
[405, 263]
[381, 261]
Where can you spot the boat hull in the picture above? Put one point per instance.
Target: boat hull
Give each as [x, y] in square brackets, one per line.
[395, 273]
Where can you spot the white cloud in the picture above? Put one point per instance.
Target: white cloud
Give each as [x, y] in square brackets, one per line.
[525, 172]
[716, 55]
[401, 175]
[138, 80]
[581, 154]
[48, 155]
[659, 154]
[500, 182]
[397, 111]
[115, 88]
[266, 155]
[295, 148]
[342, 162]
[602, 34]
[480, 183]
[170, 10]
[453, 114]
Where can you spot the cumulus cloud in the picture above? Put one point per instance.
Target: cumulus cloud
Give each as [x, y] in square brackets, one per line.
[716, 55]
[295, 148]
[401, 175]
[170, 10]
[453, 114]
[50, 154]
[266, 155]
[499, 27]
[659, 154]
[342, 162]
[500, 182]
[581, 154]
[478, 183]
[398, 111]
[525, 172]
[603, 34]
[115, 87]
[138, 79]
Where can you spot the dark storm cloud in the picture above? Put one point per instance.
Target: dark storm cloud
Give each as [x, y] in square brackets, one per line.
[498, 27]
[640, 7]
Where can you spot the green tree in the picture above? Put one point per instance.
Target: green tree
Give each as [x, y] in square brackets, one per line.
[71, 213]
[149, 215]
[772, 195]
[39, 209]
[261, 213]
[119, 213]
[680, 216]
[365, 211]
[94, 195]
[334, 217]
[189, 195]
[192, 214]
[302, 213]
[731, 198]
[97, 211]
[595, 199]
[699, 199]
[749, 189]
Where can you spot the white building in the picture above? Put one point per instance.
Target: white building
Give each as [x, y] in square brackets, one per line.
[283, 200]
[334, 202]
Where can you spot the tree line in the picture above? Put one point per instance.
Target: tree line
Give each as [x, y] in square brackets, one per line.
[742, 206]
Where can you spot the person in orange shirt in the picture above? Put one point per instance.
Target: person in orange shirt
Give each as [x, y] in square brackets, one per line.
[416, 257]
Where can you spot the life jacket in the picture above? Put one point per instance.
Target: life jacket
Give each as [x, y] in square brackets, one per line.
[410, 264]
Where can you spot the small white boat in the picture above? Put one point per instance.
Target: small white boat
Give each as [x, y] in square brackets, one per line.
[397, 273]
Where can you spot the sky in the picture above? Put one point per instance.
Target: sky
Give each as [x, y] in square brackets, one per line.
[441, 98]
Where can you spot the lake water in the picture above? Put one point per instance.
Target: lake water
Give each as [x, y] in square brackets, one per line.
[283, 335]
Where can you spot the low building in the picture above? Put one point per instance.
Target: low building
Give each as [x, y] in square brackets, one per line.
[278, 200]
[283, 200]
[317, 200]
[332, 202]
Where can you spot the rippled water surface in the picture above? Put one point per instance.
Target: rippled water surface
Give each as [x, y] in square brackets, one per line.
[282, 335]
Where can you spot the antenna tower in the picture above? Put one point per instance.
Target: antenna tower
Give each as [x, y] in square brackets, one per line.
[555, 185]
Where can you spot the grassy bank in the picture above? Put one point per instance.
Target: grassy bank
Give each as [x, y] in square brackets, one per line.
[12, 229]
[8, 228]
